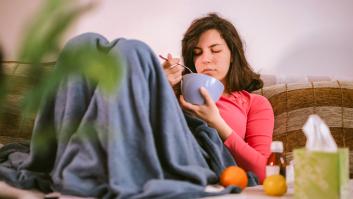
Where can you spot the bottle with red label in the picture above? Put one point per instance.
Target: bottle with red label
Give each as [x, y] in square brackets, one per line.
[276, 163]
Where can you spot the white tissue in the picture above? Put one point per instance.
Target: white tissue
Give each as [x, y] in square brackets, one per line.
[318, 135]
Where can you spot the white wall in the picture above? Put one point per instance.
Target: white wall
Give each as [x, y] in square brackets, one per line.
[284, 37]
[14, 15]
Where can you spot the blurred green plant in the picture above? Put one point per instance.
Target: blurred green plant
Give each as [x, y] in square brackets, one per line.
[43, 38]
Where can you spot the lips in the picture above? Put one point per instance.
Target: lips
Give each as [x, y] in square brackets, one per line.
[208, 70]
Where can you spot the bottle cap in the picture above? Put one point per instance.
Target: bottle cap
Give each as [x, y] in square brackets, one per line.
[277, 146]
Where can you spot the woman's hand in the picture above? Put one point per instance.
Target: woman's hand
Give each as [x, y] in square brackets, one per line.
[172, 70]
[209, 113]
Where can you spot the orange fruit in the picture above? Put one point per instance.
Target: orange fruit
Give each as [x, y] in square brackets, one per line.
[234, 175]
[275, 185]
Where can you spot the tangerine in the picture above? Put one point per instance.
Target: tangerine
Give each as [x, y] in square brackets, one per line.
[275, 185]
[234, 175]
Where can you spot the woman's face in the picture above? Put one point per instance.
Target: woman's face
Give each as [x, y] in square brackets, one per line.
[212, 55]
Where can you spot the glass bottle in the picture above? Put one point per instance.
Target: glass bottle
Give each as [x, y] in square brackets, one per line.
[276, 163]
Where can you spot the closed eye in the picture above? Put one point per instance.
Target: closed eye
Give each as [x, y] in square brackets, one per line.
[197, 52]
[217, 48]
[216, 51]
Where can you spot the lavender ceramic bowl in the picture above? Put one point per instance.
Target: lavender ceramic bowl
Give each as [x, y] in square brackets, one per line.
[191, 84]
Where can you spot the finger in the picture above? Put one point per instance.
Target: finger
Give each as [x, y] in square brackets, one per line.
[175, 79]
[187, 105]
[175, 75]
[167, 61]
[172, 66]
[172, 60]
[206, 96]
[171, 63]
[166, 64]
[175, 70]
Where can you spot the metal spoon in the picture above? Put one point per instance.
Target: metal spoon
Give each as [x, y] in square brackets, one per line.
[165, 59]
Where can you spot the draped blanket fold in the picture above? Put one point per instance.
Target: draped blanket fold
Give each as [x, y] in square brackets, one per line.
[136, 143]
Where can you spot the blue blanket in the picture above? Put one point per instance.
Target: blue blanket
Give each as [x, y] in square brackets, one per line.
[137, 143]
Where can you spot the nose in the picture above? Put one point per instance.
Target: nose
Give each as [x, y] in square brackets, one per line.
[205, 58]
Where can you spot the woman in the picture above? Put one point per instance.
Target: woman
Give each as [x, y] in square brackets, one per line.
[243, 120]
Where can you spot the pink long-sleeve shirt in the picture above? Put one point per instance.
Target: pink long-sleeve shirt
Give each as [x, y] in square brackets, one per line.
[252, 120]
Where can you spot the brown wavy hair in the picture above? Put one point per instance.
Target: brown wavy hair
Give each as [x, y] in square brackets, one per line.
[240, 75]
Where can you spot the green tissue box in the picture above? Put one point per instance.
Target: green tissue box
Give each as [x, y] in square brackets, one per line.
[321, 174]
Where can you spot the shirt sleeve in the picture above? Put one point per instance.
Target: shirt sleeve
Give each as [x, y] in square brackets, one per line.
[252, 152]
